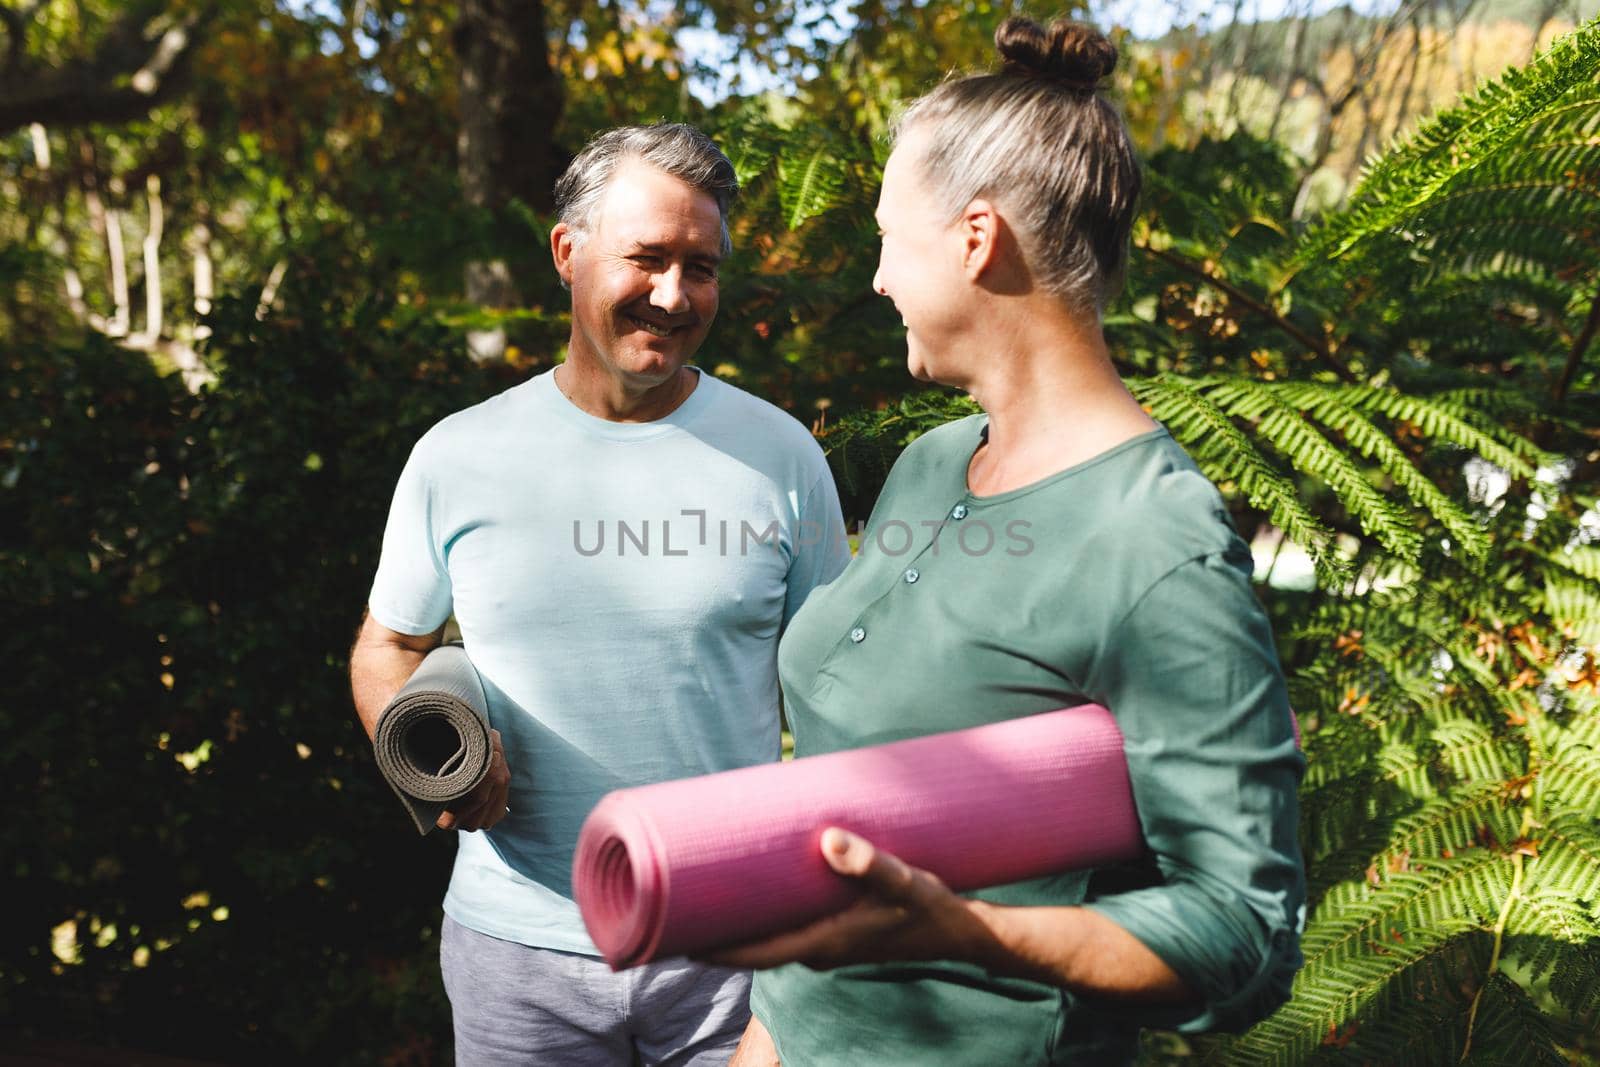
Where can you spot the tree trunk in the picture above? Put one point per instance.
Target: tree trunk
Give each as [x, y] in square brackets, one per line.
[510, 103]
[152, 258]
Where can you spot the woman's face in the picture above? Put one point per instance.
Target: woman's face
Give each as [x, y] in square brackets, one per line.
[919, 264]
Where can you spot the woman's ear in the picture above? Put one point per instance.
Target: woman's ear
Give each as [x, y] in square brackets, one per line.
[981, 227]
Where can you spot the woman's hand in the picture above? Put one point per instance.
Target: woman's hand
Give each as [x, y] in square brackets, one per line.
[905, 914]
[909, 914]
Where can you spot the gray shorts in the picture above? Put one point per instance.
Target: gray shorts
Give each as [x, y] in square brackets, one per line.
[514, 1004]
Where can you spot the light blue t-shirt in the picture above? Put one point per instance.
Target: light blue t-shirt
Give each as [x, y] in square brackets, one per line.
[621, 588]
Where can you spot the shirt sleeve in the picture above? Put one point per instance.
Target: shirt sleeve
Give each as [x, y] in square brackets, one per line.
[822, 548]
[411, 591]
[1193, 679]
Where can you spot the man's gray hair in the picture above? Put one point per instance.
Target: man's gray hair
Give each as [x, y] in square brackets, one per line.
[674, 148]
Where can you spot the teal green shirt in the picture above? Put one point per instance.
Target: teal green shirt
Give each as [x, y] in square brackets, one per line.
[1120, 582]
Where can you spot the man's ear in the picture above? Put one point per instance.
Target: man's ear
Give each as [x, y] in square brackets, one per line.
[980, 227]
[562, 244]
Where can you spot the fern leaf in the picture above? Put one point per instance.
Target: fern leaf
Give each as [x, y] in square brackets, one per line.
[1226, 454]
[1363, 939]
[1286, 430]
[1470, 815]
[809, 185]
[1472, 752]
[1331, 408]
[1569, 858]
[1455, 142]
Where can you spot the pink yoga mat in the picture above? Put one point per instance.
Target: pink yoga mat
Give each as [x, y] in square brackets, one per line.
[686, 866]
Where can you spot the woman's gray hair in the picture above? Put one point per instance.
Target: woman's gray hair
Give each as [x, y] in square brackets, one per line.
[672, 147]
[1038, 140]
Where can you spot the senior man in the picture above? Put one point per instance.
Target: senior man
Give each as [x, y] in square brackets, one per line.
[621, 541]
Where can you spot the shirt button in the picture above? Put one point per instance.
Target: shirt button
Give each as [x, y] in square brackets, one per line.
[912, 576]
[959, 512]
[858, 635]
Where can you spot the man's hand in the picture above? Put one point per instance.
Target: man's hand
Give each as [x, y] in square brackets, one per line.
[486, 804]
[906, 914]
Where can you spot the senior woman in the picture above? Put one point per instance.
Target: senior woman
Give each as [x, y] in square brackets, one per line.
[1062, 549]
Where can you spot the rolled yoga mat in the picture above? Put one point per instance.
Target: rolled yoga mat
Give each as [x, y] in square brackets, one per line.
[694, 864]
[432, 741]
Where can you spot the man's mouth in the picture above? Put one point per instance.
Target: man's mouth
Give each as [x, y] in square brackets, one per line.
[654, 329]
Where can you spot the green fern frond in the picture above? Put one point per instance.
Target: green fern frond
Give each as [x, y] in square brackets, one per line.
[1472, 752]
[1582, 560]
[1338, 1001]
[1290, 433]
[1403, 765]
[1569, 857]
[1575, 605]
[1332, 407]
[1465, 817]
[1583, 722]
[1459, 418]
[1557, 914]
[810, 184]
[1362, 941]
[1570, 779]
[1511, 1031]
[1459, 892]
[1575, 981]
[1226, 454]
[751, 146]
[1454, 143]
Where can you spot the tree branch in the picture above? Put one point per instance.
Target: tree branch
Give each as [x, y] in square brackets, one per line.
[16, 23]
[139, 63]
[1579, 346]
[1317, 347]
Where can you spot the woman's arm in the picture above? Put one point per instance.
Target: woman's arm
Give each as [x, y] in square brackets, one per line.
[755, 1048]
[909, 914]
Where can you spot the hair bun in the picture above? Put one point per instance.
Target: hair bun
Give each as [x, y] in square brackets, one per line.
[1073, 53]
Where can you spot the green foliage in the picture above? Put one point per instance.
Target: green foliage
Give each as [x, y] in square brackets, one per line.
[195, 819]
[180, 573]
[1507, 124]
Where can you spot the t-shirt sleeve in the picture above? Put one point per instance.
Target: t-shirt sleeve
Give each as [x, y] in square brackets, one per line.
[411, 592]
[1194, 682]
[822, 548]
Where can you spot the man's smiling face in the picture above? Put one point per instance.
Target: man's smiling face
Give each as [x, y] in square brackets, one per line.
[643, 276]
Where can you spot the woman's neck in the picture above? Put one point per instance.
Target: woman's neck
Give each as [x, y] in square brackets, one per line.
[1053, 399]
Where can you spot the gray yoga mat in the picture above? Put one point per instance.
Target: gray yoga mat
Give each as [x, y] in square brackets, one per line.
[432, 741]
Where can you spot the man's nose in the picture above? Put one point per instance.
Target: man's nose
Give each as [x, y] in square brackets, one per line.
[667, 292]
[877, 282]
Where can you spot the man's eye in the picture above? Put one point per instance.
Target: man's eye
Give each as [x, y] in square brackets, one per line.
[703, 272]
[647, 261]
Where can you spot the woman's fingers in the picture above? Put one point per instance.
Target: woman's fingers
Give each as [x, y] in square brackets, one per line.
[847, 937]
[881, 872]
[897, 894]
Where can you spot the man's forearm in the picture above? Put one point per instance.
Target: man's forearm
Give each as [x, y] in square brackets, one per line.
[380, 663]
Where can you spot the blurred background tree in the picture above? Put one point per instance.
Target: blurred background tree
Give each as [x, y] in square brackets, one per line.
[250, 249]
